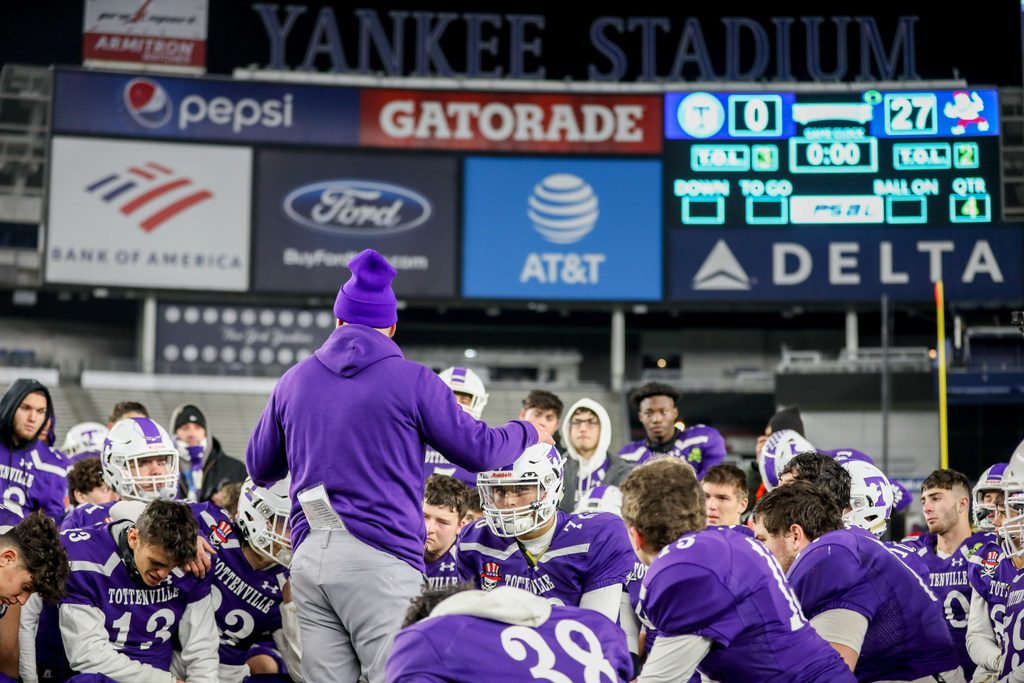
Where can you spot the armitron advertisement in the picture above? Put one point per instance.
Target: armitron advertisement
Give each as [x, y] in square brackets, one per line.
[316, 210]
[148, 215]
[164, 34]
[524, 122]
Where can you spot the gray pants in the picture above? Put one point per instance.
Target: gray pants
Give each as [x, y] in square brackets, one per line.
[350, 599]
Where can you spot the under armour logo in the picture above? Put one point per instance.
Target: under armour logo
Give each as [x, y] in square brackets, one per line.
[446, 567]
[25, 464]
[957, 561]
[267, 586]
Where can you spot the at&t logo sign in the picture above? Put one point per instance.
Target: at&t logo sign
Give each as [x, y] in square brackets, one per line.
[563, 208]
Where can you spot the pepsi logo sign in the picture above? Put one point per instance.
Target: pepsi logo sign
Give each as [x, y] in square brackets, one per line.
[357, 207]
[147, 102]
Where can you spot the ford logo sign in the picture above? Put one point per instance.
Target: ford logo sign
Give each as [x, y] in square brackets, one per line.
[356, 207]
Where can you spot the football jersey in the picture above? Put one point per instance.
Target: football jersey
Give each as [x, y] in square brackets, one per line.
[573, 644]
[588, 551]
[246, 601]
[728, 588]
[32, 479]
[948, 579]
[1008, 575]
[140, 620]
[854, 571]
[91, 514]
[981, 572]
[87, 515]
[435, 463]
[51, 660]
[700, 446]
[443, 572]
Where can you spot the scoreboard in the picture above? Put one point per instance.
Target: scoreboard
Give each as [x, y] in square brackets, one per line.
[851, 158]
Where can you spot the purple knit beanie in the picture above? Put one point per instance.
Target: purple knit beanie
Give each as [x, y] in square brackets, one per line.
[367, 299]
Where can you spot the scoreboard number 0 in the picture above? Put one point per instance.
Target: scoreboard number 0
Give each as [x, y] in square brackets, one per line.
[755, 116]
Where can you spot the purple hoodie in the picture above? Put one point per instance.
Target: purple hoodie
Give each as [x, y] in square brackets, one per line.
[357, 417]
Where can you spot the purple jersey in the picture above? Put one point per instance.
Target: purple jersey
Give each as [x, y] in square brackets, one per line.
[981, 572]
[1007, 575]
[51, 660]
[855, 571]
[435, 463]
[573, 644]
[87, 515]
[728, 588]
[901, 497]
[246, 601]
[443, 571]
[588, 551]
[700, 446]
[948, 579]
[140, 620]
[32, 479]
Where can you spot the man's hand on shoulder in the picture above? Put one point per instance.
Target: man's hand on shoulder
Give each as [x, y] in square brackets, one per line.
[199, 566]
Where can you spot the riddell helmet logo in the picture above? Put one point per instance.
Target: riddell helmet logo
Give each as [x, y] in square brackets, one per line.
[147, 102]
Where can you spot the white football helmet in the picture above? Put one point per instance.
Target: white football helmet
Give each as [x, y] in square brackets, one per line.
[263, 518]
[1011, 534]
[538, 470]
[781, 447]
[140, 461]
[871, 497]
[84, 437]
[983, 513]
[465, 381]
[601, 499]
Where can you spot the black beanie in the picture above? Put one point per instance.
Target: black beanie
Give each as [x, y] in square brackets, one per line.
[187, 413]
[787, 418]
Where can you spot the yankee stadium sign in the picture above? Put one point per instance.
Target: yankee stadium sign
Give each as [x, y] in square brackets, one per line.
[606, 48]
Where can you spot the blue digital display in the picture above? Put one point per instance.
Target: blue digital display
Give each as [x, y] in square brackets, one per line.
[869, 158]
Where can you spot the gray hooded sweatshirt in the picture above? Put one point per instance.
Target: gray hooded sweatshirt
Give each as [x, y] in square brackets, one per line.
[603, 468]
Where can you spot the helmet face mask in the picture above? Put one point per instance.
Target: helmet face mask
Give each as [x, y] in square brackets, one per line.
[781, 447]
[465, 381]
[1011, 533]
[871, 497]
[140, 461]
[983, 513]
[522, 497]
[263, 517]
